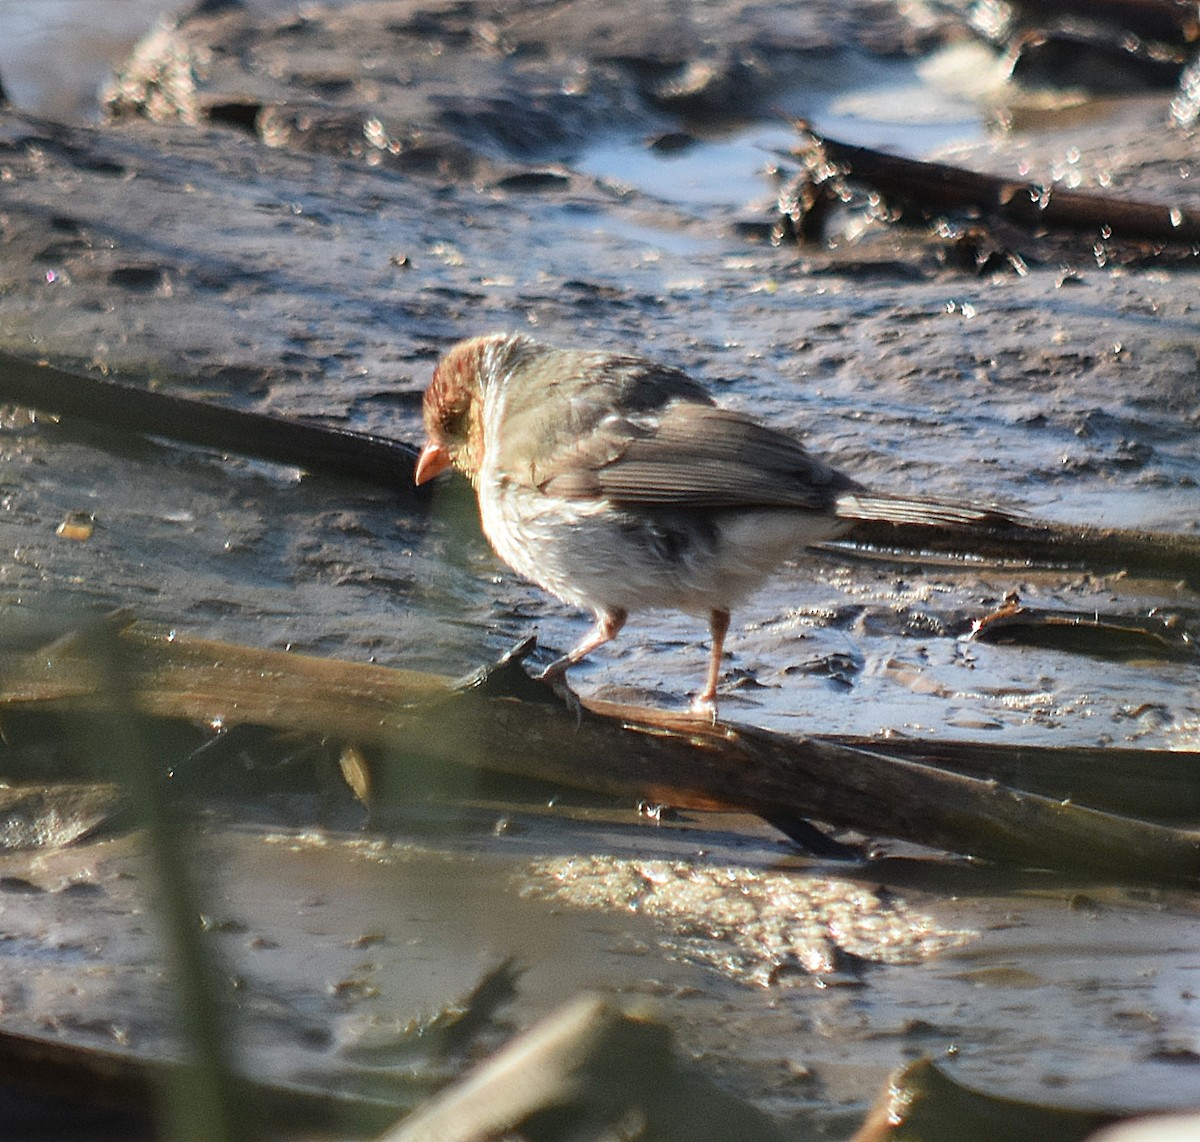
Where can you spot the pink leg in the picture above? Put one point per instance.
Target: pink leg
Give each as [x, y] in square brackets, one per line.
[706, 701]
[608, 626]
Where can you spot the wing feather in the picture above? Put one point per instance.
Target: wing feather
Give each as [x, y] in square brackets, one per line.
[692, 455]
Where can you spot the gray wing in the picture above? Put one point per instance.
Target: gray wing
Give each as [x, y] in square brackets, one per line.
[692, 455]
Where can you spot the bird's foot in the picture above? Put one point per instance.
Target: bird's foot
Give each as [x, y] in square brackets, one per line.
[705, 706]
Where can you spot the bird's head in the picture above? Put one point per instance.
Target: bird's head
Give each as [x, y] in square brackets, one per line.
[453, 406]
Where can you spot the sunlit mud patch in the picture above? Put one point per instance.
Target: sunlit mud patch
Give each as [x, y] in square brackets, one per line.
[758, 927]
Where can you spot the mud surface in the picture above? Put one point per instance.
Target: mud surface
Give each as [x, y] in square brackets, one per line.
[297, 211]
[332, 946]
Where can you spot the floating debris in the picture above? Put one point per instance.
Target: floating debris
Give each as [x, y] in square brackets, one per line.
[77, 525]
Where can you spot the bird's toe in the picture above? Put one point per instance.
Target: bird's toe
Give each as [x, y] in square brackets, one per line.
[705, 706]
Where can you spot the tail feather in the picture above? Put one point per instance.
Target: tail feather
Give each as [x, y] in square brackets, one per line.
[883, 508]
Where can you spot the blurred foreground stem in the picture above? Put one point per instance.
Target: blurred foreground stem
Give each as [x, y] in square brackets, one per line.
[200, 1097]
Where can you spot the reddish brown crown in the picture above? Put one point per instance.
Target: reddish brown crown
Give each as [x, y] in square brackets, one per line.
[453, 405]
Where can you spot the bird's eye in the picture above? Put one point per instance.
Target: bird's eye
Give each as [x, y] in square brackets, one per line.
[453, 420]
[447, 406]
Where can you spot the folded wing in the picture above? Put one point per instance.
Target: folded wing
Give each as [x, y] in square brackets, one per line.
[692, 455]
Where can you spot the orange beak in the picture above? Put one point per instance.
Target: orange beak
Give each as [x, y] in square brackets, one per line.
[434, 459]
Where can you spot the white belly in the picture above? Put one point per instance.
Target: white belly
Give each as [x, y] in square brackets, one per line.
[598, 558]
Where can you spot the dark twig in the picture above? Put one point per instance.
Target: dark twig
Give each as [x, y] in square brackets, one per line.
[1103, 550]
[930, 190]
[126, 408]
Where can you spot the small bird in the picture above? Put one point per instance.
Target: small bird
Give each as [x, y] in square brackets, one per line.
[618, 484]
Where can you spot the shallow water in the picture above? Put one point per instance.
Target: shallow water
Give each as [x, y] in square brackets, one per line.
[908, 106]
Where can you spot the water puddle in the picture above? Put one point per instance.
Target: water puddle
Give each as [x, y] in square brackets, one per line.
[713, 173]
[914, 107]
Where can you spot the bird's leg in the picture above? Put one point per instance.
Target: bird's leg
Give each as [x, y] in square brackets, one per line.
[706, 701]
[608, 626]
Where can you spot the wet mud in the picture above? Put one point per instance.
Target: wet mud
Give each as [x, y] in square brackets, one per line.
[297, 211]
